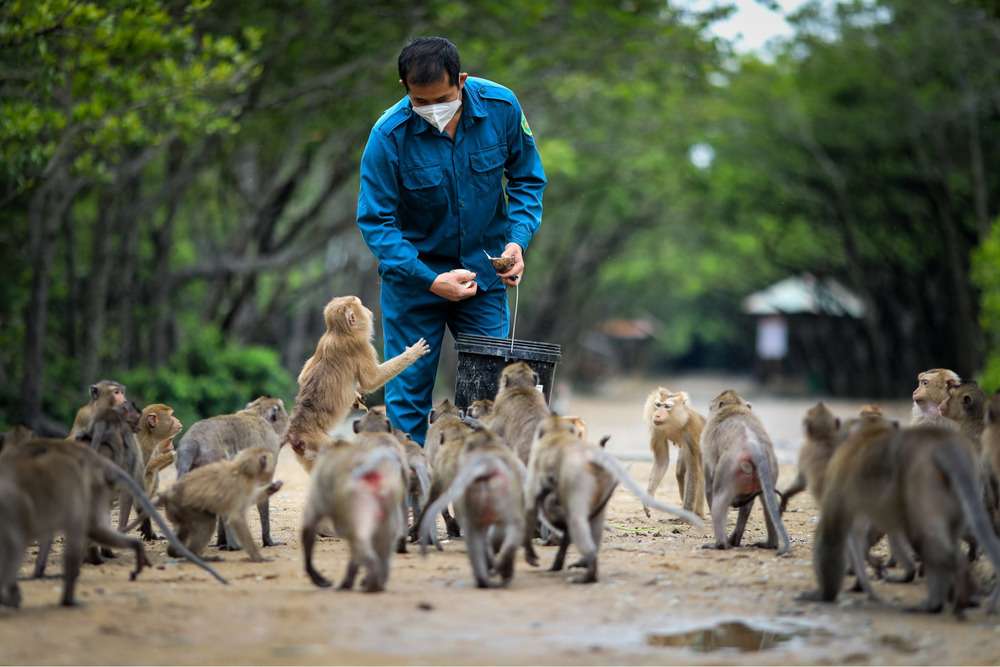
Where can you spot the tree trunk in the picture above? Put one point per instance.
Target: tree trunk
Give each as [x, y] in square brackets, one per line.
[97, 291]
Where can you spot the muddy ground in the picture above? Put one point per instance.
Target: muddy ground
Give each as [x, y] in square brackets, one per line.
[656, 584]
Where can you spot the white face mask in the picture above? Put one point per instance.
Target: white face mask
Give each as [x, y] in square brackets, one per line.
[439, 115]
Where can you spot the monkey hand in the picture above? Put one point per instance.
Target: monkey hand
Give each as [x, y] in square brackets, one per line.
[274, 487]
[513, 274]
[418, 349]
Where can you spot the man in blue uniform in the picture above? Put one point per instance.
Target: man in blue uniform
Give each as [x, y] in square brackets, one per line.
[433, 198]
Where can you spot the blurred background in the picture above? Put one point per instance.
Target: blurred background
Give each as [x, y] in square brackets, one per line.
[805, 194]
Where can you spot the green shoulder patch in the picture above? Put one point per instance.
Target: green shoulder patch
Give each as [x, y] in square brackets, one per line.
[524, 125]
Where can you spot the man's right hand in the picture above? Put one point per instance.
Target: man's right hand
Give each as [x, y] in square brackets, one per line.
[455, 285]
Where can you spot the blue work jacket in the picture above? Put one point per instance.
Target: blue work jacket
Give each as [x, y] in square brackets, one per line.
[429, 204]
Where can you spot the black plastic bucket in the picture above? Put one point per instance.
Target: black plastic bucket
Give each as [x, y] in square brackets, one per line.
[482, 358]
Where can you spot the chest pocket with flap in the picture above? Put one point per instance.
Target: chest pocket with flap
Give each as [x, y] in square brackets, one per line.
[487, 167]
[423, 187]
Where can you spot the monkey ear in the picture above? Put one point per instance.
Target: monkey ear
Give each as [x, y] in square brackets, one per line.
[94, 392]
[749, 405]
[352, 319]
[357, 426]
[967, 400]
[152, 418]
[604, 441]
[263, 462]
[836, 422]
[683, 395]
[442, 439]
[431, 416]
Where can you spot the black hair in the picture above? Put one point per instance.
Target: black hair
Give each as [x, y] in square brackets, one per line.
[425, 59]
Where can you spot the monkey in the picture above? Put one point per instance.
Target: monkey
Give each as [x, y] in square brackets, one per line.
[156, 431]
[451, 443]
[966, 405]
[262, 423]
[517, 408]
[104, 394]
[481, 409]
[671, 418]
[822, 431]
[571, 482]
[579, 426]
[919, 482]
[111, 436]
[990, 458]
[48, 486]
[359, 488]
[16, 436]
[442, 416]
[740, 465]
[374, 429]
[488, 494]
[344, 361]
[932, 389]
[871, 410]
[223, 489]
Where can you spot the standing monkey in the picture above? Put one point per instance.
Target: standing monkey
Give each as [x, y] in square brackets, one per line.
[344, 360]
[671, 418]
[932, 389]
[822, 431]
[157, 428]
[103, 395]
[443, 415]
[359, 488]
[966, 405]
[518, 408]
[262, 423]
[740, 465]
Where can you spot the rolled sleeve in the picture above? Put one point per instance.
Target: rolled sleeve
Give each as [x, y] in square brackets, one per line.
[525, 180]
[378, 201]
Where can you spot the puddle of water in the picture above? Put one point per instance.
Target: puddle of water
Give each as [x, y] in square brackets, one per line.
[728, 635]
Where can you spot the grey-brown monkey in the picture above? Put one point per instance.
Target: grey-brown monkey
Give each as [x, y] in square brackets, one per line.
[103, 395]
[481, 409]
[359, 488]
[443, 415]
[822, 431]
[222, 490]
[740, 465]
[451, 443]
[518, 408]
[920, 482]
[488, 494]
[262, 423]
[50, 486]
[570, 482]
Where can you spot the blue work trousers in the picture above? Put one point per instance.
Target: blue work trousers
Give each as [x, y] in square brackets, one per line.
[409, 315]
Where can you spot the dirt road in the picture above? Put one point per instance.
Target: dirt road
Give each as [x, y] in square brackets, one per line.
[656, 585]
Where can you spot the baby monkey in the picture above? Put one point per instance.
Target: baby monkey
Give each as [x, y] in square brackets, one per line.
[224, 489]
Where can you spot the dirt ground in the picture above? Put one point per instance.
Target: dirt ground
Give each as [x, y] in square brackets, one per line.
[661, 598]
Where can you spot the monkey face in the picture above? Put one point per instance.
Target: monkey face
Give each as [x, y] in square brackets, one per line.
[933, 387]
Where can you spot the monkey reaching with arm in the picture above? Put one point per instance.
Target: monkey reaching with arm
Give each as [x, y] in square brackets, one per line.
[344, 361]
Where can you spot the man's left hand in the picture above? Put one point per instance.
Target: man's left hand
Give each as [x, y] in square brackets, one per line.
[514, 274]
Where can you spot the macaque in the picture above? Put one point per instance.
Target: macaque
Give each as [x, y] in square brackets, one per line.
[990, 458]
[517, 408]
[16, 436]
[359, 488]
[571, 482]
[966, 405]
[443, 415]
[262, 423]
[932, 389]
[451, 443]
[481, 409]
[50, 486]
[920, 483]
[344, 361]
[822, 430]
[740, 465]
[156, 431]
[374, 430]
[871, 410]
[225, 490]
[671, 418]
[111, 436]
[103, 395]
[488, 494]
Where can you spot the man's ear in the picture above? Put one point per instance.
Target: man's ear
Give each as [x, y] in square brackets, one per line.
[462, 77]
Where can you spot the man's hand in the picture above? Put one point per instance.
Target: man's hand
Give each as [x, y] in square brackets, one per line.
[455, 285]
[513, 275]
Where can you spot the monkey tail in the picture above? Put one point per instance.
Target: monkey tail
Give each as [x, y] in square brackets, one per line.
[474, 468]
[830, 544]
[961, 473]
[423, 481]
[768, 494]
[611, 464]
[144, 502]
[373, 460]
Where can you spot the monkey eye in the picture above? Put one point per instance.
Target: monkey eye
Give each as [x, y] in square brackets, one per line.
[923, 382]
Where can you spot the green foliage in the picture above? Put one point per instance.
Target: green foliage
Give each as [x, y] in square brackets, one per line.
[209, 376]
[986, 275]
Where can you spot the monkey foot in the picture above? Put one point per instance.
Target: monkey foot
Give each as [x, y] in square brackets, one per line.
[646, 510]
[578, 564]
[925, 608]
[320, 580]
[273, 543]
[584, 579]
[226, 547]
[764, 545]
[715, 545]
[70, 602]
[811, 596]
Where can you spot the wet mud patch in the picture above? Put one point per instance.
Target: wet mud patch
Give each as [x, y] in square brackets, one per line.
[736, 636]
